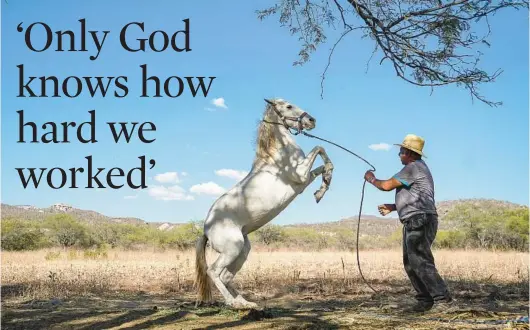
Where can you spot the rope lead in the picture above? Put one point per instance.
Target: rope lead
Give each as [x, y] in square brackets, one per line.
[361, 206]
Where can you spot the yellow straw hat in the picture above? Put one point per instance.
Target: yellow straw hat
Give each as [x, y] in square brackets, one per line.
[414, 143]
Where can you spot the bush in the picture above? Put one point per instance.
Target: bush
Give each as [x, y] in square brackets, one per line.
[396, 239]
[52, 255]
[18, 235]
[65, 230]
[517, 225]
[308, 238]
[72, 255]
[182, 237]
[450, 239]
[270, 234]
[489, 228]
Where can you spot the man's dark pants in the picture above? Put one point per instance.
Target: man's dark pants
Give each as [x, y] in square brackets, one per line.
[419, 232]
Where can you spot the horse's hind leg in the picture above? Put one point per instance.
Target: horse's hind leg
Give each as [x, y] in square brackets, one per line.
[230, 272]
[229, 242]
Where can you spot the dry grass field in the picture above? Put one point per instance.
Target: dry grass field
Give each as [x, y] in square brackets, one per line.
[138, 290]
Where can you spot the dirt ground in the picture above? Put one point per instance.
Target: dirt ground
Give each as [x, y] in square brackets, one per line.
[478, 307]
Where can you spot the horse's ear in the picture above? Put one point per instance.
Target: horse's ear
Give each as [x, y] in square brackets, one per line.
[269, 102]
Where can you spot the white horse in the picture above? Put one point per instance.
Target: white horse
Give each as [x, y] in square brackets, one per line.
[280, 172]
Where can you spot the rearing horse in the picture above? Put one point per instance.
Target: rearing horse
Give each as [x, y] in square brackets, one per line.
[279, 173]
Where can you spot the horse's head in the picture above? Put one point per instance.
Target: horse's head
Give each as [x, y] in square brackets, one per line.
[291, 116]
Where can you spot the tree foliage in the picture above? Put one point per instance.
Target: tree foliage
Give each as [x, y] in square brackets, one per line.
[485, 228]
[428, 42]
[18, 235]
[66, 230]
[270, 234]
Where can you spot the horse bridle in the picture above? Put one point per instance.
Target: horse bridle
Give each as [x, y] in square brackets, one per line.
[283, 118]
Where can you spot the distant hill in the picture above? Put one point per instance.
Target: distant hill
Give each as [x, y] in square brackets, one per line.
[370, 225]
[29, 212]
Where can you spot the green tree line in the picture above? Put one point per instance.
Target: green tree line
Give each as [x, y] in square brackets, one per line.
[474, 227]
[65, 231]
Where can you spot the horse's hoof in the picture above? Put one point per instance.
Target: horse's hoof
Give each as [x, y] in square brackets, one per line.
[318, 195]
[250, 305]
[243, 304]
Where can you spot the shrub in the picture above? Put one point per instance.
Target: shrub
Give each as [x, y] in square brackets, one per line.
[52, 255]
[182, 237]
[270, 234]
[65, 230]
[489, 228]
[450, 239]
[18, 235]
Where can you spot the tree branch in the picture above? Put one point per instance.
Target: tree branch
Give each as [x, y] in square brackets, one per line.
[430, 43]
[329, 59]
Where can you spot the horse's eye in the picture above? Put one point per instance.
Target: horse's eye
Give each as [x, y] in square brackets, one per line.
[289, 106]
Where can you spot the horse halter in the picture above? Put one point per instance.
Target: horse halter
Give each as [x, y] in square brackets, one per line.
[283, 118]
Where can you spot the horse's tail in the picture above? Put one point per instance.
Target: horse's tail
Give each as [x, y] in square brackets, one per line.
[202, 282]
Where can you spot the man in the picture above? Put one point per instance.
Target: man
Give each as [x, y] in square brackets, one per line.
[415, 205]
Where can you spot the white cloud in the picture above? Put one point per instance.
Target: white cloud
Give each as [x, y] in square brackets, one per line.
[172, 193]
[130, 197]
[219, 102]
[232, 174]
[208, 188]
[184, 173]
[168, 177]
[380, 146]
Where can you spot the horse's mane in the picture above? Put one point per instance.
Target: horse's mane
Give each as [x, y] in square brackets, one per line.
[266, 142]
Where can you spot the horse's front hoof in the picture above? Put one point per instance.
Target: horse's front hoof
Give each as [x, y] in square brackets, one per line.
[318, 195]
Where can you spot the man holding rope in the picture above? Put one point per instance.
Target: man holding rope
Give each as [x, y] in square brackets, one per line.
[416, 209]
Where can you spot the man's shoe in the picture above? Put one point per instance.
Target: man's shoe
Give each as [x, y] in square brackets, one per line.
[443, 306]
[419, 307]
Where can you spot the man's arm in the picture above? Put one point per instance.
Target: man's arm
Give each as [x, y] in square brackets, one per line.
[405, 177]
[386, 185]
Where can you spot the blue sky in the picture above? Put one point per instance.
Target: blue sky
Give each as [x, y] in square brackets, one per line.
[474, 151]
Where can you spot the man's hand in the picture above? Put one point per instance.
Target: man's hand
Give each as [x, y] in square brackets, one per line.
[369, 176]
[385, 209]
